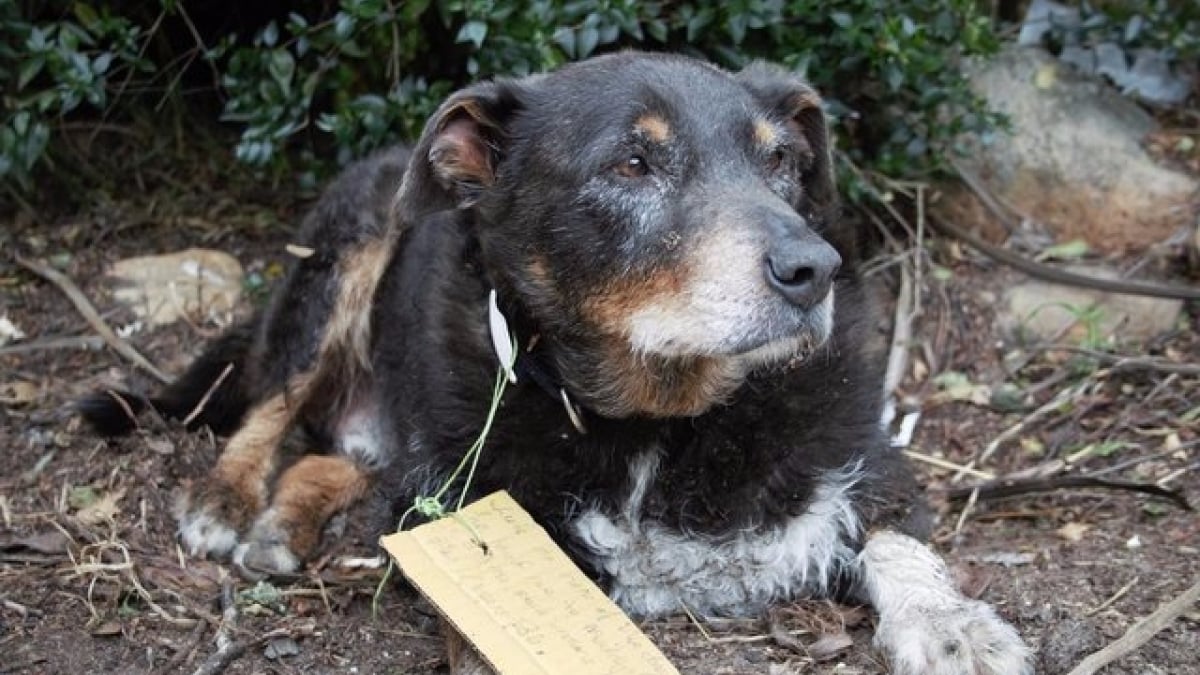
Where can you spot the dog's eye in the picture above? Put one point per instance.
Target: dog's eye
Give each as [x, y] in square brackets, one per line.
[776, 159]
[634, 167]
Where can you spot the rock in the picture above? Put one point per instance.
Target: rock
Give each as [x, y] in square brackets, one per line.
[1039, 310]
[1074, 160]
[202, 284]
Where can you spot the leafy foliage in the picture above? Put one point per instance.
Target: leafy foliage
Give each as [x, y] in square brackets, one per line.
[49, 69]
[342, 78]
[1169, 25]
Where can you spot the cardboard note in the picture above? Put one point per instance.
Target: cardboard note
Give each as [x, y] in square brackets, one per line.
[518, 598]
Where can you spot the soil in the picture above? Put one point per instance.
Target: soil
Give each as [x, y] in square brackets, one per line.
[92, 579]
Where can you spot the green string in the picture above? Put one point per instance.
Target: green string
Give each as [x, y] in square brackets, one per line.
[431, 507]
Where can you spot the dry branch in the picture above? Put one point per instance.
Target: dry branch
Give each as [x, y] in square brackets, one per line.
[89, 313]
[1140, 633]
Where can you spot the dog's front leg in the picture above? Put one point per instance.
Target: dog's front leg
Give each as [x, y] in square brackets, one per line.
[926, 626]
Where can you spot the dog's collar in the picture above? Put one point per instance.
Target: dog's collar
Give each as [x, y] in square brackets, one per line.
[521, 362]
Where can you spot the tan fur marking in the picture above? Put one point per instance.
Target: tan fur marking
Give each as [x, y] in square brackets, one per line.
[765, 133]
[654, 126]
[609, 309]
[349, 326]
[647, 384]
[310, 492]
[251, 454]
[661, 387]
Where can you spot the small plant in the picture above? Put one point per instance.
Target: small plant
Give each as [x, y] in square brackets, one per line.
[50, 69]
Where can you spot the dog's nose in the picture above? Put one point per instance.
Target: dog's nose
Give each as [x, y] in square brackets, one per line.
[802, 271]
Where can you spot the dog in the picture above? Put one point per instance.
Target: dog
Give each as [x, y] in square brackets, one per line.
[695, 412]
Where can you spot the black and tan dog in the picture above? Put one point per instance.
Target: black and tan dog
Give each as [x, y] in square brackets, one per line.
[696, 414]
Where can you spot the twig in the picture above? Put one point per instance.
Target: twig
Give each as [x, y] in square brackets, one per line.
[69, 342]
[966, 512]
[1055, 275]
[124, 405]
[222, 659]
[207, 395]
[227, 649]
[185, 651]
[89, 313]
[1115, 597]
[1018, 428]
[1119, 362]
[1010, 488]
[1140, 633]
[945, 464]
[20, 609]
[906, 311]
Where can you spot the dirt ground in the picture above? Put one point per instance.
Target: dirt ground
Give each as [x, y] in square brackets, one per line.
[92, 580]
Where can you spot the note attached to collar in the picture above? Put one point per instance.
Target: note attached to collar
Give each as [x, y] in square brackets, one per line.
[518, 598]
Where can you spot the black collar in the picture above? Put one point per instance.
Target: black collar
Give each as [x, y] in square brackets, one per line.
[531, 364]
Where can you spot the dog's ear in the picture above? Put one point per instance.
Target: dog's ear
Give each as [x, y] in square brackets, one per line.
[459, 151]
[791, 101]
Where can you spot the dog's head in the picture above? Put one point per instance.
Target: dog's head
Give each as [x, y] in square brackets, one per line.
[661, 220]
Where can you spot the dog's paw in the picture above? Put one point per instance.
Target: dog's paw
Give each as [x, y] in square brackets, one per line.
[964, 638]
[266, 550]
[260, 559]
[210, 519]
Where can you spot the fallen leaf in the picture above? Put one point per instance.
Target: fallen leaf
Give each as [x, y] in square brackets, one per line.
[160, 446]
[104, 509]
[830, 645]
[82, 496]
[280, 647]
[1073, 531]
[107, 629]
[1071, 250]
[18, 392]
[299, 251]
[956, 386]
[9, 331]
[200, 283]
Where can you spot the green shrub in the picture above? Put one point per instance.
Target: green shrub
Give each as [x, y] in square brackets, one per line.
[340, 79]
[50, 68]
[1172, 26]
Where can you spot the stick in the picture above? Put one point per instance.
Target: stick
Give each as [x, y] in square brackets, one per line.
[207, 395]
[89, 313]
[1016, 429]
[1140, 633]
[70, 342]
[1115, 596]
[1119, 363]
[945, 464]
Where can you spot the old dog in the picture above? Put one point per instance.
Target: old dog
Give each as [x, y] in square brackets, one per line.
[695, 414]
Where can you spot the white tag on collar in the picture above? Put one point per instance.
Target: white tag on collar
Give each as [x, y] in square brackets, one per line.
[502, 338]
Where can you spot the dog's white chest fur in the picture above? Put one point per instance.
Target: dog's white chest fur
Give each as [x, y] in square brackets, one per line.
[656, 570]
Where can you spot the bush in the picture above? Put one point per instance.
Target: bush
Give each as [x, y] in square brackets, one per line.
[342, 80]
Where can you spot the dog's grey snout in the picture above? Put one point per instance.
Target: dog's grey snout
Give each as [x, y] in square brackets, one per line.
[801, 267]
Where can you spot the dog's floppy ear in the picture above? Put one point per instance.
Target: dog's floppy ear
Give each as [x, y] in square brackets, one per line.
[459, 151]
[791, 101]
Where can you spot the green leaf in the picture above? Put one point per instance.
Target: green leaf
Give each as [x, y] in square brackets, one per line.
[29, 70]
[474, 32]
[565, 37]
[587, 39]
[1070, 250]
[86, 15]
[282, 68]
